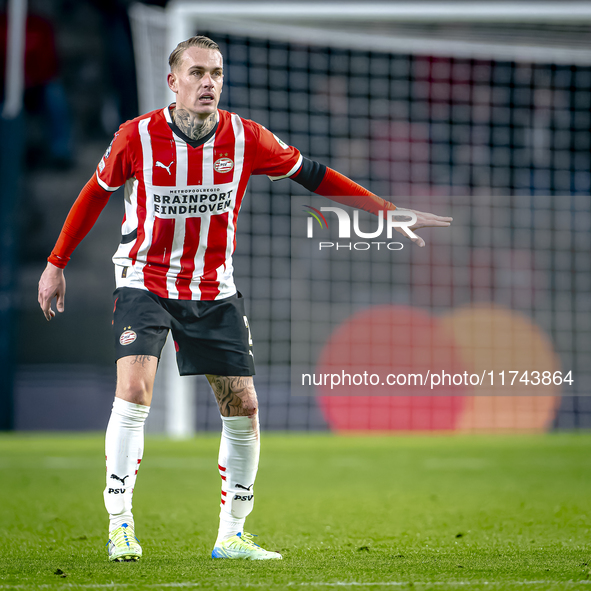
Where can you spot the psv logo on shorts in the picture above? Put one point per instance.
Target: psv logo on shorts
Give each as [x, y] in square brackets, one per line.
[127, 337]
[223, 165]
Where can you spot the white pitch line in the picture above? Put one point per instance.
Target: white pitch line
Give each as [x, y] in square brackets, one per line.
[198, 584]
[437, 583]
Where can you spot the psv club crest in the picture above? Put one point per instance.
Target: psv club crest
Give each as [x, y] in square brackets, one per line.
[223, 165]
[127, 337]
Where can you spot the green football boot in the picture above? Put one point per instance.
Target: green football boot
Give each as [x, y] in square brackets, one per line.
[123, 546]
[242, 547]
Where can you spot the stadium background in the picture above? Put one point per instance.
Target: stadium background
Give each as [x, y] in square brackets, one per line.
[503, 143]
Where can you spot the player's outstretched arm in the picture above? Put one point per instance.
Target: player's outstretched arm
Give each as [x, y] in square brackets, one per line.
[424, 220]
[332, 184]
[52, 285]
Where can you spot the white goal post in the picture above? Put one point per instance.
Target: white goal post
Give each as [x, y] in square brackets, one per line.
[534, 32]
[478, 30]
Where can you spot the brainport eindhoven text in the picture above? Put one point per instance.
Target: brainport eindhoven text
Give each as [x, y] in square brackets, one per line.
[400, 220]
[197, 203]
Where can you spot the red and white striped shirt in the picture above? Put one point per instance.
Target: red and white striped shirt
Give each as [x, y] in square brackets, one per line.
[182, 202]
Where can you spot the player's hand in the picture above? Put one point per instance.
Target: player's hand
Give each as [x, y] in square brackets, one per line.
[425, 220]
[52, 285]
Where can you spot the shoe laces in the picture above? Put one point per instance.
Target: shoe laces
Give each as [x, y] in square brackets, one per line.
[123, 535]
[247, 539]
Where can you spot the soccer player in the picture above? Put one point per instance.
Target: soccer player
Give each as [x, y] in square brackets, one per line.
[185, 168]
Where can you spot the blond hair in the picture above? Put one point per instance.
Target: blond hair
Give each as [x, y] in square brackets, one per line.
[176, 57]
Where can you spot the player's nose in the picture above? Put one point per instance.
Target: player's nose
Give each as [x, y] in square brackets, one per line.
[207, 80]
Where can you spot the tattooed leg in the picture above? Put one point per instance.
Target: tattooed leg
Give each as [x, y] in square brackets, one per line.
[238, 459]
[236, 396]
[142, 360]
[135, 378]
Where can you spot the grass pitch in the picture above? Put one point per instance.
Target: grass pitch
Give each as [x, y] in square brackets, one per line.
[436, 512]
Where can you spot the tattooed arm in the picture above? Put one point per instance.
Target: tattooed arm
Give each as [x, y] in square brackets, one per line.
[236, 396]
[191, 126]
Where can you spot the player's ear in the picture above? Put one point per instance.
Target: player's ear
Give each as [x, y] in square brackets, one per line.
[172, 83]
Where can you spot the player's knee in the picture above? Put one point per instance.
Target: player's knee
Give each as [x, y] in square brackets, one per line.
[135, 391]
[235, 396]
[249, 405]
[246, 408]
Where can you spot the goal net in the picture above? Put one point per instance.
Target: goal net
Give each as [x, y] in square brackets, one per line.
[482, 113]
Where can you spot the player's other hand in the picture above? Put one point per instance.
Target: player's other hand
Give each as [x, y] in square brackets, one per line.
[52, 285]
[425, 220]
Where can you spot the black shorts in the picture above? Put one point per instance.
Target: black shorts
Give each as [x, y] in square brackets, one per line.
[210, 337]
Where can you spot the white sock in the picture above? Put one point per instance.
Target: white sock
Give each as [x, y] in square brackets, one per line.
[124, 447]
[238, 462]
